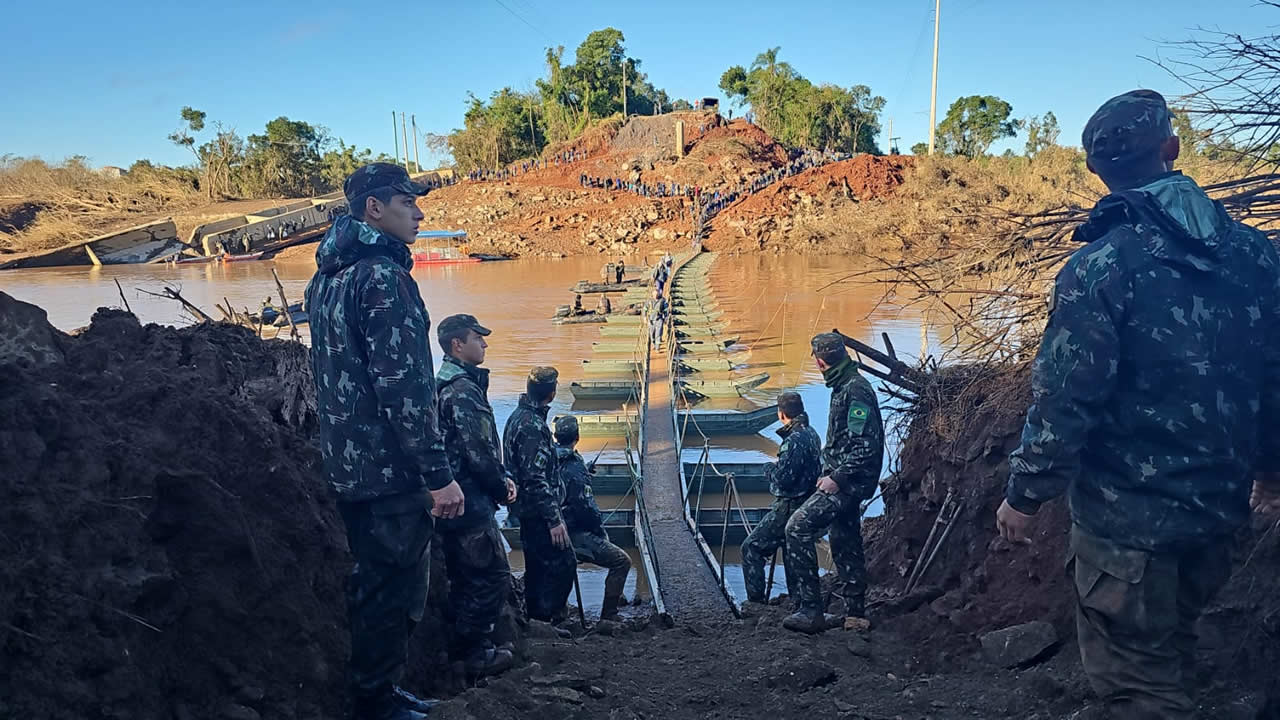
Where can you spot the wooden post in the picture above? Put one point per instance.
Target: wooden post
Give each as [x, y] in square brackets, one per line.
[293, 329]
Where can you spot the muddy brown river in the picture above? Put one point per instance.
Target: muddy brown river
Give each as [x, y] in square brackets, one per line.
[773, 303]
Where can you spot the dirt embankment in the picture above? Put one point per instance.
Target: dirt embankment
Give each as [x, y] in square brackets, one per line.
[803, 213]
[171, 549]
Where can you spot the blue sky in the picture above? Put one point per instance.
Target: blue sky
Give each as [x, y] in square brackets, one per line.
[106, 80]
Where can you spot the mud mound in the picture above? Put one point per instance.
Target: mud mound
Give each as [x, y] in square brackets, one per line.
[864, 177]
[760, 145]
[169, 545]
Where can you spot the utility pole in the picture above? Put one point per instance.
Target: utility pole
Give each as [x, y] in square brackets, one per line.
[624, 88]
[890, 143]
[395, 135]
[413, 119]
[405, 131]
[933, 98]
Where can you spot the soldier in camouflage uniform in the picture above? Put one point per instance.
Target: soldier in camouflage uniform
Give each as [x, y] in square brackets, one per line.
[582, 517]
[850, 474]
[550, 566]
[479, 575]
[1157, 377]
[791, 481]
[379, 438]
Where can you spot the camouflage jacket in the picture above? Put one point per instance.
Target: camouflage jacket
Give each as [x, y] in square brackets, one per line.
[471, 441]
[795, 474]
[375, 393]
[855, 435]
[1158, 372]
[579, 510]
[531, 462]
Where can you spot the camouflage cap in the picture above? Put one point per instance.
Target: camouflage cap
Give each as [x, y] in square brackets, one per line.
[566, 427]
[543, 376]
[454, 323]
[376, 176]
[1127, 127]
[827, 343]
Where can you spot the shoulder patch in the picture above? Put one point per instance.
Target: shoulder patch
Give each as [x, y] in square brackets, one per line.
[858, 416]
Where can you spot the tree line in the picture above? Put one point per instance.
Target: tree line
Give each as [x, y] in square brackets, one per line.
[514, 124]
[289, 158]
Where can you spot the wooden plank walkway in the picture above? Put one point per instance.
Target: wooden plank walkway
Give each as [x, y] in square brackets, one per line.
[689, 588]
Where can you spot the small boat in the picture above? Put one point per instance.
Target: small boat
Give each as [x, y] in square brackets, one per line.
[488, 257]
[427, 252]
[712, 423]
[697, 318]
[199, 260]
[611, 366]
[724, 388]
[243, 258]
[583, 319]
[718, 344]
[615, 478]
[730, 422]
[603, 389]
[702, 327]
[626, 331]
[617, 346]
[703, 364]
[584, 287]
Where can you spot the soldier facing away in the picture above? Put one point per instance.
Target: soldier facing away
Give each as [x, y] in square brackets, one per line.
[1156, 381]
[530, 458]
[582, 516]
[479, 576]
[850, 474]
[791, 481]
[380, 440]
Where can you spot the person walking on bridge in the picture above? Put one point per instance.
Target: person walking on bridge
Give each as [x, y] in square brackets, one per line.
[791, 481]
[851, 464]
[380, 440]
[479, 576]
[550, 565]
[1155, 392]
[582, 516]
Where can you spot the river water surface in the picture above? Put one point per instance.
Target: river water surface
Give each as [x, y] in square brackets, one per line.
[773, 303]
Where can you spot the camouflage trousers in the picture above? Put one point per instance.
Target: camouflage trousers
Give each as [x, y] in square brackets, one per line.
[1136, 616]
[597, 550]
[841, 515]
[769, 535]
[387, 590]
[549, 571]
[479, 578]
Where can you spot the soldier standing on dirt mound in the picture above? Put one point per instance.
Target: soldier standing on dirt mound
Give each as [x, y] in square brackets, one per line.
[582, 517]
[526, 441]
[479, 576]
[850, 474]
[791, 480]
[1155, 388]
[379, 437]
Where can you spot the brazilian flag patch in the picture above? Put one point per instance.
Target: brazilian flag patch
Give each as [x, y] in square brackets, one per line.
[858, 415]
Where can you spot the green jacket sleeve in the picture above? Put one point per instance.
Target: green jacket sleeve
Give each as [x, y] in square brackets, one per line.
[481, 452]
[1073, 375]
[538, 479]
[399, 364]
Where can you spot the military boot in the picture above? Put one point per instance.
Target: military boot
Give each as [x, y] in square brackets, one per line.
[413, 702]
[809, 621]
[609, 610]
[488, 661]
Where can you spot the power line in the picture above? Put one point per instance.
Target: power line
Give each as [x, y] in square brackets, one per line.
[526, 22]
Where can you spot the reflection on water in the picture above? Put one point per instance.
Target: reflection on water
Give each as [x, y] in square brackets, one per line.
[773, 303]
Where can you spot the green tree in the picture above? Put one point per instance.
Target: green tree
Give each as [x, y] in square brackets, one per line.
[799, 113]
[920, 148]
[216, 160]
[286, 160]
[973, 123]
[1042, 133]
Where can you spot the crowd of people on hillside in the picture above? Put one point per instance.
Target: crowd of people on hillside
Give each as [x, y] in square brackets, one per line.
[524, 167]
